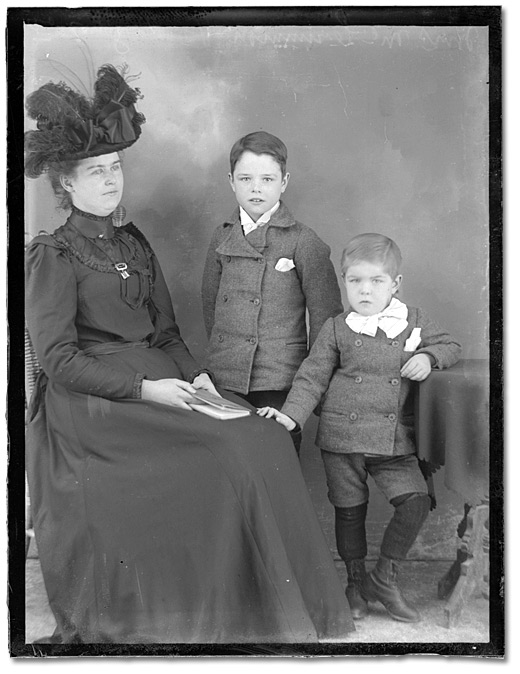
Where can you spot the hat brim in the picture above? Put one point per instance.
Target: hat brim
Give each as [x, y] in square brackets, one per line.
[98, 150]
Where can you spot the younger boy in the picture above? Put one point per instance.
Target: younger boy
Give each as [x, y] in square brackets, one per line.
[263, 271]
[362, 368]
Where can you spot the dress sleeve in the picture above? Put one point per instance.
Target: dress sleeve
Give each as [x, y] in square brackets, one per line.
[210, 283]
[314, 375]
[51, 301]
[318, 280]
[167, 336]
[437, 343]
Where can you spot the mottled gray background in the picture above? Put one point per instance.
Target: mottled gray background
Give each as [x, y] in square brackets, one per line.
[386, 129]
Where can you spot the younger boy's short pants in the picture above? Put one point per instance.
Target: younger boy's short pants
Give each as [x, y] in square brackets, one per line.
[347, 476]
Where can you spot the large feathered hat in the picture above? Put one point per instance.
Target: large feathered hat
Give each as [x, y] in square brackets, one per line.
[72, 126]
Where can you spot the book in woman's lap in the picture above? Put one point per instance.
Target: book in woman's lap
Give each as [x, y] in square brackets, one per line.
[217, 407]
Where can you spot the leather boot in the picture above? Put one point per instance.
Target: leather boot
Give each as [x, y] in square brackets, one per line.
[381, 585]
[356, 576]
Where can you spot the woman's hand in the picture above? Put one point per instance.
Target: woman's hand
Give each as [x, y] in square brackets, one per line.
[270, 412]
[417, 368]
[174, 392]
[203, 380]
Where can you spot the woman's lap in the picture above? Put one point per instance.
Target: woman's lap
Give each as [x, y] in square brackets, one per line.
[175, 517]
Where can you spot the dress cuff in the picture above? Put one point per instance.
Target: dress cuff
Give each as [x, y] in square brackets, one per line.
[195, 374]
[297, 430]
[138, 384]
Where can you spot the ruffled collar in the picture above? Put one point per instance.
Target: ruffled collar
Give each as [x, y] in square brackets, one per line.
[126, 253]
[92, 226]
[90, 249]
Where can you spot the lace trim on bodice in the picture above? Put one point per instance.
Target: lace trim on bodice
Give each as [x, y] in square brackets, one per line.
[93, 256]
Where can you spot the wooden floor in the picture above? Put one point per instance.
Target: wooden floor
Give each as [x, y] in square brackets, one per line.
[429, 559]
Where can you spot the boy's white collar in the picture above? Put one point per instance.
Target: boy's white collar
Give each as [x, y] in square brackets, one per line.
[392, 320]
[249, 224]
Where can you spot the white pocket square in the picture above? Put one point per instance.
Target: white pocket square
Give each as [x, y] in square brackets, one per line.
[284, 264]
[413, 340]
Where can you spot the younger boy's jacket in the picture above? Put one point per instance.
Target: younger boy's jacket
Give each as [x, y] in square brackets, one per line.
[367, 407]
[255, 292]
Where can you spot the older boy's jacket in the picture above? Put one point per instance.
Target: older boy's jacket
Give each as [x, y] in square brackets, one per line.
[254, 313]
[367, 407]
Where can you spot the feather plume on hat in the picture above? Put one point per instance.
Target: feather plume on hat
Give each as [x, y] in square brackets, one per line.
[71, 126]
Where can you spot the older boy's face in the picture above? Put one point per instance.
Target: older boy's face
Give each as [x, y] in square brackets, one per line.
[369, 287]
[257, 183]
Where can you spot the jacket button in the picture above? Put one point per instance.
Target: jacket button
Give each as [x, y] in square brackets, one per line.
[225, 298]
[220, 338]
[395, 343]
[358, 342]
[392, 416]
[253, 340]
[358, 380]
[256, 301]
[352, 416]
[394, 382]
[228, 258]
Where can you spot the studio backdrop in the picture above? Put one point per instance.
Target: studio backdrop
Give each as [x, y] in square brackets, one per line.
[386, 128]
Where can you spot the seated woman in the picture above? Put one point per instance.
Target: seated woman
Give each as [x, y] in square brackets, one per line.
[154, 523]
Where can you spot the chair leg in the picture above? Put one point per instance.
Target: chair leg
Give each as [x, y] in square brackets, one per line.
[29, 531]
[29, 534]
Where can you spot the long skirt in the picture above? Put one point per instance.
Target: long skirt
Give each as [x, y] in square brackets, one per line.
[159, 525]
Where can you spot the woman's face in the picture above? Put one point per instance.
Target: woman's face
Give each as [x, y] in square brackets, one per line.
[97, 184]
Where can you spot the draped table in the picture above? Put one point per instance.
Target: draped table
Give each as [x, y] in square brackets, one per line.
[452, 430]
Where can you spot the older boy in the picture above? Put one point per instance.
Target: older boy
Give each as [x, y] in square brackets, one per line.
[263, 271]
[362, 367]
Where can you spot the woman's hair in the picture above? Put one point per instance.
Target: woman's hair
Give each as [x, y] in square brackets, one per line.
[56, 171]
[375, 248]
[259, 142]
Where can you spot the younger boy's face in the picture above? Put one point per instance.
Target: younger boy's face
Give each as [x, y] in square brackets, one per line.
[369, 287]
[257, 183]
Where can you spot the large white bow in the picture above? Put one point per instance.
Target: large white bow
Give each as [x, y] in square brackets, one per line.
[391, 320]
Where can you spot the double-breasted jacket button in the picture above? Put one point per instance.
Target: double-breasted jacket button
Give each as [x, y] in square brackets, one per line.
[256, 301]
[225, 298]
[358, 380]
[252, 340]
[394, 382]
[358, 342]
[392, 416]
[352, 416]
[395, 342]
[220, 338]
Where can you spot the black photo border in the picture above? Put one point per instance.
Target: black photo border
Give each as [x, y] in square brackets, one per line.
[17, 18]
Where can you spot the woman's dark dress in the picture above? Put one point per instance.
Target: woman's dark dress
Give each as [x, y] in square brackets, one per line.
[156, 524]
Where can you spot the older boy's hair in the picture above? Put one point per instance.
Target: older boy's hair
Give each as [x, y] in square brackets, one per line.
[375, 248]
[259, 142]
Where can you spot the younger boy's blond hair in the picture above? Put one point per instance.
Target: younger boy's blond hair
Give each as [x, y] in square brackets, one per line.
[371, 247]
